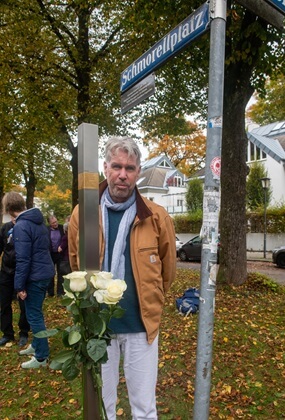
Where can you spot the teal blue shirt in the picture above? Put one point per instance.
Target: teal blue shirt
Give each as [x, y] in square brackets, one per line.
[131, 321]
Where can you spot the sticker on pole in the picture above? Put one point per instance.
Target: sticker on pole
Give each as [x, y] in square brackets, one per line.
[216, 122]
[215, 166]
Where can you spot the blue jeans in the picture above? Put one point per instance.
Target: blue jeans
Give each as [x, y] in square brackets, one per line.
[36, 292]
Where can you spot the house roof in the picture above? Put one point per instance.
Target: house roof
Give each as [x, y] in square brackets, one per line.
[271, 139]
[156, 172]
[199, 174]
[152, 177]
[157, 161]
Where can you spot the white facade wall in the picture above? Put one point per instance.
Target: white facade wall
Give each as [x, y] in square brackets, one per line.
[276, 173]
[254, 241]
[173, 199]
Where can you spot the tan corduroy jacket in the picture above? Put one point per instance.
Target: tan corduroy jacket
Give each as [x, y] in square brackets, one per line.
[153, 256]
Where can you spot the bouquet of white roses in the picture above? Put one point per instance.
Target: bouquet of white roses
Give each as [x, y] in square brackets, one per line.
[92, 303]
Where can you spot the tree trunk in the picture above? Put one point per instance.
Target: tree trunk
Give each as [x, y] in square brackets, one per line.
[233, 187]
[30, 184]
[237, 92]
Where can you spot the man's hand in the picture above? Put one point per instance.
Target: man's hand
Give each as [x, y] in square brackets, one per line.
[22, 295]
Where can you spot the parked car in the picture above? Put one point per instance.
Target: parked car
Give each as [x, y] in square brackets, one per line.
[278, 256]
[192, 250]
[178, 244]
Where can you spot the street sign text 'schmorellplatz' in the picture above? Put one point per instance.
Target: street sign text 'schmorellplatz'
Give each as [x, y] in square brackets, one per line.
[172, 43]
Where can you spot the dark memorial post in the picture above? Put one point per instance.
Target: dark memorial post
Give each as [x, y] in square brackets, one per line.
[88, 190]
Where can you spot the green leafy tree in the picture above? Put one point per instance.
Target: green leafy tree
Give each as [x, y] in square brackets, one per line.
[254, 49]
[72, 53]
[254, 191]
[54, 201]
[194, 196]
[270, 104]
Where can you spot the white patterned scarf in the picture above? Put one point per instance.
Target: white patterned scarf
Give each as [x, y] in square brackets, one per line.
[118, 258]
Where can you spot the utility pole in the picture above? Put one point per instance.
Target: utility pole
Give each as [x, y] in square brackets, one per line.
[211, 209]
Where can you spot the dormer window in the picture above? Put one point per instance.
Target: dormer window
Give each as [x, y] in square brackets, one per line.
[164, 164]
[177, 181]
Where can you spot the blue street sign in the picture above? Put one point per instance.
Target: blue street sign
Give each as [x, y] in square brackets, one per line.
[188, 30]
[279, 4]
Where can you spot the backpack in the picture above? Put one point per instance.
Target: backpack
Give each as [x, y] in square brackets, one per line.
[189, 302]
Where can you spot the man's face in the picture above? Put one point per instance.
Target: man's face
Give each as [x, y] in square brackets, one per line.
[122, 173]
[53, 223]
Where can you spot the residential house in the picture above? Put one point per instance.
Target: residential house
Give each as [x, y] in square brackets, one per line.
[161, 182]
[267, 145]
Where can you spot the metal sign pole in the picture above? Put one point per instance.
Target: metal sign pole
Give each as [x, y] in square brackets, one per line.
[88, 186]
[211, 208]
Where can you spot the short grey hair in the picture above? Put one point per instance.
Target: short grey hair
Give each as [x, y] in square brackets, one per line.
[125, 144]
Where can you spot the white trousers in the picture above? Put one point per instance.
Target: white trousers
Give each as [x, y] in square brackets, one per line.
[140, 363]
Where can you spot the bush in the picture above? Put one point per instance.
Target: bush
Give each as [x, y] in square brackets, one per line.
[188, 223]
[275, 217]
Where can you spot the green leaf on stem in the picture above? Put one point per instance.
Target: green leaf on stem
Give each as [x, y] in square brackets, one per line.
[46, 333]
[117, 312]
[96, 349]
[69, 370]
[74, 337]
[63, 356]
[66, 301]
[85, 304]
[54, 365]
[95, 324]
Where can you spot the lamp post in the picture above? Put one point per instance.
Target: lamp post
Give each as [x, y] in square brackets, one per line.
[265, 185]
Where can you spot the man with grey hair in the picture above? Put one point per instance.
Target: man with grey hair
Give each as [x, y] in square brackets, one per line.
[137, 244]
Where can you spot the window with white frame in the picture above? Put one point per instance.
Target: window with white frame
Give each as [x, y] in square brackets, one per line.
[177, 181]
[254, 153]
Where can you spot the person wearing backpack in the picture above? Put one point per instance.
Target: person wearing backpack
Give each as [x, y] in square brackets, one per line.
[34, 271]
[7, 292]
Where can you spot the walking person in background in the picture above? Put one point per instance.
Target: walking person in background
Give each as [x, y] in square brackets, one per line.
[64, 265]
[7, 273]
[55, 234]
[34, 270]
[137, 244]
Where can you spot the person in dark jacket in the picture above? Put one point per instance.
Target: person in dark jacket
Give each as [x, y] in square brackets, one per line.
[34, 271]
[64, 267]
[55, 234]
[7, 274]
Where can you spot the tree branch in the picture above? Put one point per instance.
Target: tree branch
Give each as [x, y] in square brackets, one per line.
[266, 12]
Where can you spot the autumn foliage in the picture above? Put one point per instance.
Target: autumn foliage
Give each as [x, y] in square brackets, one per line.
[186, 151]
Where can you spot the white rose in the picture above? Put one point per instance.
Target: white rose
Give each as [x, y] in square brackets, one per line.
[78, 282]
[101, 279]
[99, 295]
[112, 294]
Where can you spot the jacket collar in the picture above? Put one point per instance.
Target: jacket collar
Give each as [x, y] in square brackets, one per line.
[143, 211]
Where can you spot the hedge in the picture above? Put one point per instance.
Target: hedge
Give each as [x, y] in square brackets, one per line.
[275, 218]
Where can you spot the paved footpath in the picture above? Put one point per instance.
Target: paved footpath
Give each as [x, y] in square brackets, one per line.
[255, 262]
